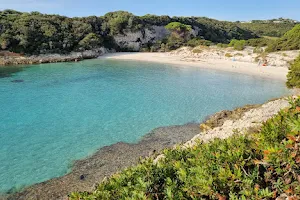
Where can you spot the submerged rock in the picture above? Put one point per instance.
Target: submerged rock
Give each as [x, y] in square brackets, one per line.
[17, 81]
[82, 177]
[87, 173]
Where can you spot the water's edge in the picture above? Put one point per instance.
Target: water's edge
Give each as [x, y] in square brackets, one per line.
[107, 161]
[86, 173]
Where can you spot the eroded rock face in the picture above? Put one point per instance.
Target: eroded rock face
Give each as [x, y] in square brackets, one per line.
[134, 40]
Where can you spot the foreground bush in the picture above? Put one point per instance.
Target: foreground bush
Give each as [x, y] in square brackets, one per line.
[260, 165]
[293, 77]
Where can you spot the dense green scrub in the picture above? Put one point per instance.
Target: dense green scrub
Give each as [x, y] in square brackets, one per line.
[293, 77]
[35, 33]
[268, 29]
[290, 41]
[258, 165]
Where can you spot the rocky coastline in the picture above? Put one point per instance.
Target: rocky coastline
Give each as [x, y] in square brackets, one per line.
[8, 58]
[108, 160]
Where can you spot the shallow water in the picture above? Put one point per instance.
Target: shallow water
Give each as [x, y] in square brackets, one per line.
[52, 114]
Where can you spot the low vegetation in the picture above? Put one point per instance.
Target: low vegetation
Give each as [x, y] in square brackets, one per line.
[259, 165]
[197, 50]
[293, 77]
[237, 44]
[229, 55]
[198, 42]
[255, 42]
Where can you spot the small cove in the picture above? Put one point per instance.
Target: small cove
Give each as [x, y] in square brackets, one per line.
[62, 112]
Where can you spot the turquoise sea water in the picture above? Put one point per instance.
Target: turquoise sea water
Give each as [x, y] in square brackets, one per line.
[66, 111]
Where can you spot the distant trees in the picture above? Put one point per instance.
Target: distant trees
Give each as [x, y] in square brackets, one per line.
[290, 41]
[267, 28]
[35, 33]
[179, 28]
[90, 41]
[180, 33]
[116, 22]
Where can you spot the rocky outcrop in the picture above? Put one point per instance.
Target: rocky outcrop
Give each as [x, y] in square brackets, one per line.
[53, 58]
[251, 119]
[134, 40]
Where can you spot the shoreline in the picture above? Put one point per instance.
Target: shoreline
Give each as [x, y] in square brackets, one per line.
[86, 173]
[248, 68]
[11, 59]
[227, 65]
[106, 161]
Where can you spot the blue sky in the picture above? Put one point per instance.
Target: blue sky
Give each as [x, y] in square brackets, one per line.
[219, 9]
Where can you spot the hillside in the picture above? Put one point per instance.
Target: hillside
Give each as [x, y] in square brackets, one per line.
[36, 33]
[289, 41]
[271, 28]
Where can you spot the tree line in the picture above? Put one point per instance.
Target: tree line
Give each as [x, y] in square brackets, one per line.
[36, 33]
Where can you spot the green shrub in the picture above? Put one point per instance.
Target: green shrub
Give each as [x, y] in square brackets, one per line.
[197, 42]
[237, 44]
[228, 55]
[90, 41]
[255, 42]
[260, 165]
[178, 27]
[221, 45]
[258, 42]
[293, 77]
[197, 50]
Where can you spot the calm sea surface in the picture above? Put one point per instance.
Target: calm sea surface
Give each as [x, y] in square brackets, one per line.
[53, 114]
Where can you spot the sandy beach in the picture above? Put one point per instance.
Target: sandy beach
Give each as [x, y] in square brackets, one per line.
[208, 63]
